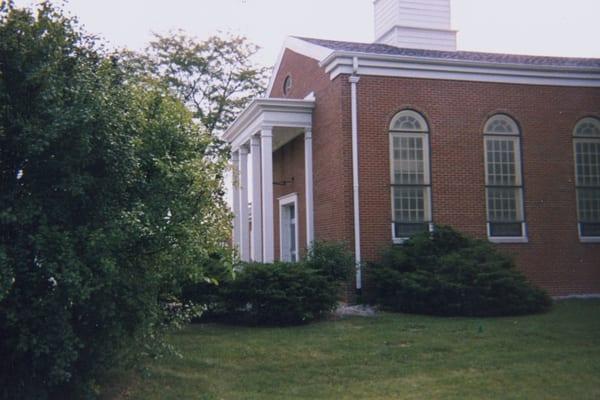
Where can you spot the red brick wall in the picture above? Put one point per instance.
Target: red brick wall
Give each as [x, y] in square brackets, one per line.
[456, 112]
[288, 166]
[333, 208]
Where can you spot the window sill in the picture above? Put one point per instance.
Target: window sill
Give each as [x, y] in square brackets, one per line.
[399, 240]
[522, 239]
[589, 239]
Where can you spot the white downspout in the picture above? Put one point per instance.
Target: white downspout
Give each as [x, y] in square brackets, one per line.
[354, 78]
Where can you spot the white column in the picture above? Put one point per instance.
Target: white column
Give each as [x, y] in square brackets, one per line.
[256, 200]
[308, 181]
[245, 225]
[266, 142]
[235, 179]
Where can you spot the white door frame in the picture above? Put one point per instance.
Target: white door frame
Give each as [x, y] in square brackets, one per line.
[287, 200]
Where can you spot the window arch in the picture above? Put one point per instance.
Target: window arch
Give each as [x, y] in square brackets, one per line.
[586, 146]
[588, 127]
[501, 124]
[410, 174]
[503, 179]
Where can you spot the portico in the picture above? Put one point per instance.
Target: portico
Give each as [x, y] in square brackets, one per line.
[263, 127]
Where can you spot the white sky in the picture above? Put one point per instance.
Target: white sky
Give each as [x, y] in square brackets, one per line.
[545, 27]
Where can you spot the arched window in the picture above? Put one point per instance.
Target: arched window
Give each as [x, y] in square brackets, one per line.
[287, 85]
[503, 179]
[410, 176]
[586, 143]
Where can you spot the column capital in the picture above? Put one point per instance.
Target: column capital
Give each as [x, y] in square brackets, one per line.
[266, 131]
[255, 140]
[308, 133]
[244, 150]
[354, 79]
[235, 156]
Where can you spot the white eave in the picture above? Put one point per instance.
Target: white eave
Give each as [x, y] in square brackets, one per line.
[340, 62]
[269, 114]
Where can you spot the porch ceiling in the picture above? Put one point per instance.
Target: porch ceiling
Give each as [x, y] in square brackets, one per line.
[287, 118]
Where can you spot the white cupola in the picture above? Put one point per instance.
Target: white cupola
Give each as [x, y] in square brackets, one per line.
[415, 24]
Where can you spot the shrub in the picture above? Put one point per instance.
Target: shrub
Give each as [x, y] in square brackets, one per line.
[274, 294]
[446, 273]
[208, 293]
[279, 294]
[331, 259]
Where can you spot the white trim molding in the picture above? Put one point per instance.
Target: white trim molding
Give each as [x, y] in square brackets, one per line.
[340, 62]
[288, 199]
[586, 239]
[272, 113]
[509, 239]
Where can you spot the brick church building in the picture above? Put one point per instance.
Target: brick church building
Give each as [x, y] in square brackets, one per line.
[368, 143]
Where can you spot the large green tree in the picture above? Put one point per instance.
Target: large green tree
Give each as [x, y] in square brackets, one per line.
[216, 78]
[110, 197]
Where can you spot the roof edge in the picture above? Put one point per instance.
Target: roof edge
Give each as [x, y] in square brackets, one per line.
[450, 61]
[300, 46]
[260, 105]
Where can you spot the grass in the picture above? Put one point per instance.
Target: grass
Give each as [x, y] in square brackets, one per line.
[392, 356]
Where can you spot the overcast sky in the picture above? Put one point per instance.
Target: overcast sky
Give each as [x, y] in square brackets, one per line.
[545, 27]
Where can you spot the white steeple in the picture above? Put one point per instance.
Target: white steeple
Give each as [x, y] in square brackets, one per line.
[415, 24]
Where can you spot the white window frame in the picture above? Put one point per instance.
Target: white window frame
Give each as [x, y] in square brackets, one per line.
[515, 137]
[424, 135]
[583, 139]
[286, 200]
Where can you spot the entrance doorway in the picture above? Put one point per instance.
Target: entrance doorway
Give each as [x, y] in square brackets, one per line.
[288, 228]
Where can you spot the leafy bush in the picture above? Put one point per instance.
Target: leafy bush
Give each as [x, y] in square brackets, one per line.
[111, 196]
[331, 259]
[279, 294]
[275, 294]
[208, 293]
[446, 273]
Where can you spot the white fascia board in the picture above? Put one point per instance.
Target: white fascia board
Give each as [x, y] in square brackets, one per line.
[299, 46]
[431, 68]
[269, 113]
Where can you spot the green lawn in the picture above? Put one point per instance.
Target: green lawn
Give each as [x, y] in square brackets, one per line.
[392, 356]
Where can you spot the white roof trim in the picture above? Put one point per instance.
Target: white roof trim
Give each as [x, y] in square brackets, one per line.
[299, 46]
[340, 62]
[269, 113]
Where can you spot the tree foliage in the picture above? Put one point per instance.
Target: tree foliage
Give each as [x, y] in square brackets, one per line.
[215, 78]
[109, 199]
